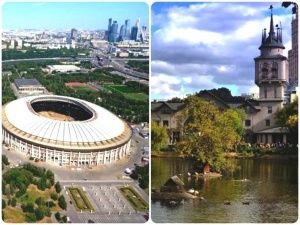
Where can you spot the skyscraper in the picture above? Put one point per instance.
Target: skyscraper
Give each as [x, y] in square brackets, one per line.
[134, 33]
[112, 36]
[127, 29]
[122, 33]
[74, 34]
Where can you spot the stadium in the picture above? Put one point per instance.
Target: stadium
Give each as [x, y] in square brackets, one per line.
[64, 131]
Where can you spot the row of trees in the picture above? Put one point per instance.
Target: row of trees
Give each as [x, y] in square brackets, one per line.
[30, 53]
[140, 66]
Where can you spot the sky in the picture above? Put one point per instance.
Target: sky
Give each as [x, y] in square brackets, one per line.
[198, 46]
[66, 15]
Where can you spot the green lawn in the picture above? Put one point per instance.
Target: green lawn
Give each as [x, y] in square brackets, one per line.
[128, 92]
[80, 200]
[135, 200]
[83, 88]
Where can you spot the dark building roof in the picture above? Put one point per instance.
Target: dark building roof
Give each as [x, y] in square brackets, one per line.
[174, 181]
[27, 82]
[173, 106]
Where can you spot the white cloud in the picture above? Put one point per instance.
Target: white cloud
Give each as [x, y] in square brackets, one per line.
[205, 45]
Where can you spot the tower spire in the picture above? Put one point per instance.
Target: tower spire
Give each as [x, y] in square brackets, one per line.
[272, 32]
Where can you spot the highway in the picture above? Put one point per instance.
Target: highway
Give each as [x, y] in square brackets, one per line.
[113, 64]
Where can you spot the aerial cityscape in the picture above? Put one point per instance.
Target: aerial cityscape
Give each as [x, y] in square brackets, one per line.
[75, 112]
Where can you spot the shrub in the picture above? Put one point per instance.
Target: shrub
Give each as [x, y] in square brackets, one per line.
[54, 196]
[57, 216]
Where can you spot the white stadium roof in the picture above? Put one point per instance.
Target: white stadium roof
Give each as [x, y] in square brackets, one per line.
[103, 130]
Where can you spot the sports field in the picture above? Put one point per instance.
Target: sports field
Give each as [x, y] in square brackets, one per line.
[83, 88]
[128, 92]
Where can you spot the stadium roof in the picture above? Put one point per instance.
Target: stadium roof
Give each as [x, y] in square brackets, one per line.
[104, 130]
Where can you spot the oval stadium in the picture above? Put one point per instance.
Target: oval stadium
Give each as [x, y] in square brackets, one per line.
[64, 131]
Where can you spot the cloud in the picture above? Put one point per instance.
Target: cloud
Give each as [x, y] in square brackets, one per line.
[205, 45]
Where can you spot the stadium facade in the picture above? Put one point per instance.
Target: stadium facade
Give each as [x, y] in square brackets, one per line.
[64, 131]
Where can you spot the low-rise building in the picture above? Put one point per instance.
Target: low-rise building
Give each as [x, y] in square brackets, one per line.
[29, 86]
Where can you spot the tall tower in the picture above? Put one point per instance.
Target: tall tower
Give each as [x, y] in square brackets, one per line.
[127, 29]
[112, 36]
[271, 76]
[271, 67]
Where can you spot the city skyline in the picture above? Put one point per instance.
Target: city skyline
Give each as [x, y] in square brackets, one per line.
[68, 15]
[197, 46]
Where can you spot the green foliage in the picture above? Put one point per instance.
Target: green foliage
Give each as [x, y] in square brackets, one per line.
[62, 202]
[288, 117]
[57, 187]
[40, 201]
[18, 177]
[35, 53]
[14, 202]
[30, 217]
[64, 219]
[209, 133]
[140, 66]
[141, 174]
[57, 216]
[29, 207]
[159, 136]
[39, 213]
[3, 204]
[54, 196]
[5, 160]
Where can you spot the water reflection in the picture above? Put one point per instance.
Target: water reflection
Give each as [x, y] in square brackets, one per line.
[270, 187]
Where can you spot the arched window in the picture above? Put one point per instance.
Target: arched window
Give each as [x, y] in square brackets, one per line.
[264, 70]
[274, 70]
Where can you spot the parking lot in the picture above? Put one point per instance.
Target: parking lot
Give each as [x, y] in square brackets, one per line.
[109, 204]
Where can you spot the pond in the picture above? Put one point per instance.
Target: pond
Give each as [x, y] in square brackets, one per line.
[270, 186]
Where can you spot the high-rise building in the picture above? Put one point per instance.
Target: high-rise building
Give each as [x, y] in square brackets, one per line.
[113, 35]
[122, 33]
[109, 25]
[134, 33]
[74, 34]
[143, 34]
[127, 29]
[293, 53]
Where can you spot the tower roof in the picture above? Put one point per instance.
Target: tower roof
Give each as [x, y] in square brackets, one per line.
[274, 40]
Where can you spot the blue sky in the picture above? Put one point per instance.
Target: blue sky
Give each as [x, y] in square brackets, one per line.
[66, 15]
[197, 46]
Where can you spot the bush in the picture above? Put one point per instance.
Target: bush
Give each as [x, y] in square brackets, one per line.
[14, 202]
[57, 187]
[39, 214]
[30, 218]
[50, 204]
[57, 216]
[3, 204]
[62, 202]
[64, 219]
[54, 196]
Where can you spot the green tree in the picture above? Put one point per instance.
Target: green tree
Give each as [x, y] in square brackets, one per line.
[39, 213]
[57, 216]
[57, 187]
[30, 217]
[288, 117]
[14, 202]
[5, 160]
[208, 133]
[62, 202]
[64, 219]
[159, 136]
[3, 204]
[54, 196]
[40, 201]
